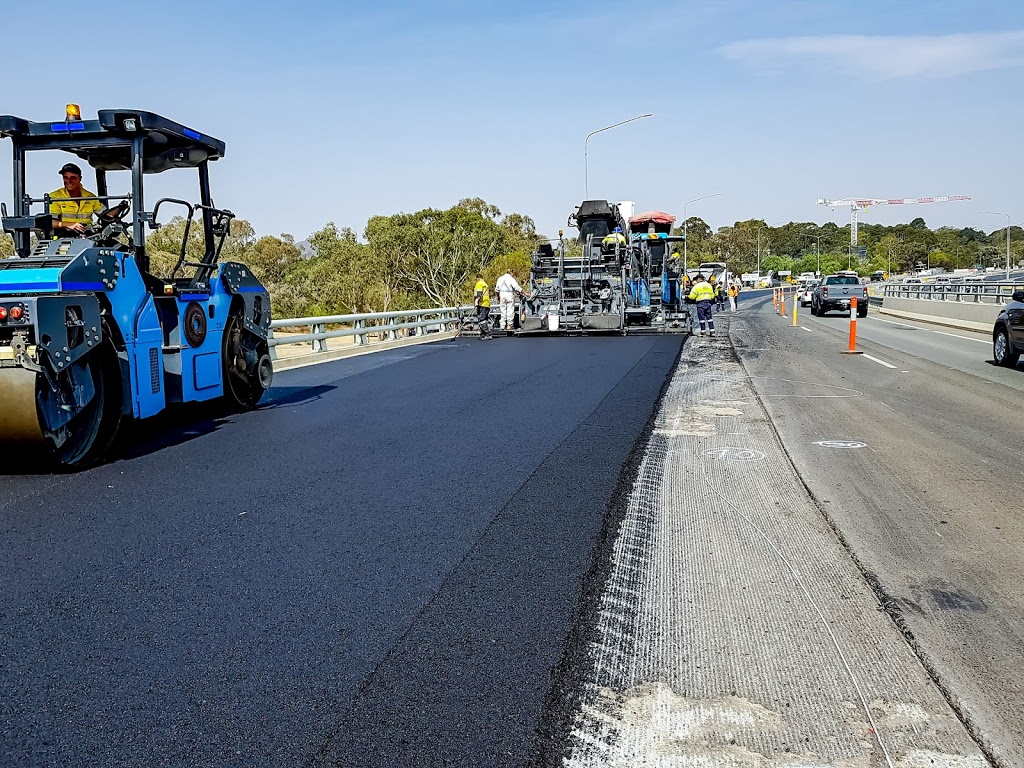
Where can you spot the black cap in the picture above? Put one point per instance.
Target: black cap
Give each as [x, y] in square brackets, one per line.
[70, 168]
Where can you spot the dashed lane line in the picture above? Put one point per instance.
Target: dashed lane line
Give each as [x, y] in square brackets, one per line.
[880, 362]
[965, 338]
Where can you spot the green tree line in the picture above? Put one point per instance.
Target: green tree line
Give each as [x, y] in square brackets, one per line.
[899, 248]
[405, 261]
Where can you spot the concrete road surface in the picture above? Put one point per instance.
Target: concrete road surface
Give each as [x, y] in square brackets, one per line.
[930, 507]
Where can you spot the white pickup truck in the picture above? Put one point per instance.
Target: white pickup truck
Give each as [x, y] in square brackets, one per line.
[836, 291]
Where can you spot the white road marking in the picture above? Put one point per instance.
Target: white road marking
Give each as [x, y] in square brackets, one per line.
[806, 329]
[965, 338]
[880, 362]
[904, 371]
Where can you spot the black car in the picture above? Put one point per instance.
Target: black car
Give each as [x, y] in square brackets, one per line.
[1008, 332]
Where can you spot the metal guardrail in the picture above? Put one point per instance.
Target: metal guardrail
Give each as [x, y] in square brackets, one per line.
[978, 292]
[362, 326]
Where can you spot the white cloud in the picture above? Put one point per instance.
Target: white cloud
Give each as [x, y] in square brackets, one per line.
[884, 57]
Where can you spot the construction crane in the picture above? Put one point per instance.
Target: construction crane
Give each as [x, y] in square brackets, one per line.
[861, 204]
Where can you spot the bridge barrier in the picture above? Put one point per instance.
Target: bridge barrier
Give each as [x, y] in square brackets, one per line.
[369, 331]
[971, 306]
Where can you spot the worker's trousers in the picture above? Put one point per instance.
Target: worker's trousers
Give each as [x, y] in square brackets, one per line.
[705, 316]
[483, 321]
[508, 311]
[732, 303]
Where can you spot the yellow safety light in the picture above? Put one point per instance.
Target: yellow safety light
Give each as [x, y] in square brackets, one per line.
[168, 290]
[73, 112]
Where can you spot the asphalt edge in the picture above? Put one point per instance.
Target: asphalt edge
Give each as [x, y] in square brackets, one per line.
[565, 696]
[886, 602]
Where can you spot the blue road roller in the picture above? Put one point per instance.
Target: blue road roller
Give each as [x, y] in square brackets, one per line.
[90, 337]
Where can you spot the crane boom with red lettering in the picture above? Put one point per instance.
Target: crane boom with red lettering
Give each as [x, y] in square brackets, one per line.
[862, 203]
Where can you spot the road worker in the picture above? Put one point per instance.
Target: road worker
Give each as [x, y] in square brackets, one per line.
[615, 238]
[508, 292]
[605, 295]
[482, 302]
[703, 294]
[73, 206]
[734, 292]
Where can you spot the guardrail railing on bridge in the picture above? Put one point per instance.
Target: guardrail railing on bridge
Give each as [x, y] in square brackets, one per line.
[385, 326]
[973, 292]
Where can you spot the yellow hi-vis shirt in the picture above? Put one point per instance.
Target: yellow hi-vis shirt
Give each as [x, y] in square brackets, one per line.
[74, 210]
[485, 294]
[703, 291]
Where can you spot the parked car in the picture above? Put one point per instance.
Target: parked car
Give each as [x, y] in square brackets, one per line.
[836, 291]
[1008, 332]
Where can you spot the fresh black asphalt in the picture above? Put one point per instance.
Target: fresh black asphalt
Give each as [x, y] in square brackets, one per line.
[378, 567]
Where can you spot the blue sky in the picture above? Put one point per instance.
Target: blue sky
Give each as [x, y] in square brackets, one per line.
[339, 111]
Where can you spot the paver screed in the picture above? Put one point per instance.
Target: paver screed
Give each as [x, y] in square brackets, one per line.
[734, 628]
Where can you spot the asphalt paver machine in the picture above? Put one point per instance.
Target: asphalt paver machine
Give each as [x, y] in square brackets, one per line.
[581, 291]
[654, 284]
[89, 337]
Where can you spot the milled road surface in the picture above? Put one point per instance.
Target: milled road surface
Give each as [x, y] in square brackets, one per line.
[734, 629]
[377, 568]
[931, 506]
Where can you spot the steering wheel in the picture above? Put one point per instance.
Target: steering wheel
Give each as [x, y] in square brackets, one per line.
[109, 225]
[113, 214]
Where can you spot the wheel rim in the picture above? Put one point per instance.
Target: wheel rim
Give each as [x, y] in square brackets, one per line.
[242, 390]
[999, 347]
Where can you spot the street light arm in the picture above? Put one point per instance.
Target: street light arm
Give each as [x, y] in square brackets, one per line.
[616, 125]
[697, 199]
[586, 164]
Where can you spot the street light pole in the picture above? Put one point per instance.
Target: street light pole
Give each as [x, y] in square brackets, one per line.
[685, 205]
[1000, 213]
[817, 249]
[586, 162]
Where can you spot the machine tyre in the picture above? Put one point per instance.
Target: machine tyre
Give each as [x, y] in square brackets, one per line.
[1002, 352]
[243, 391]
[95, 428]
[862, 311]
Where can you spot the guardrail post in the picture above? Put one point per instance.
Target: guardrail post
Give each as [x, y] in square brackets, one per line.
[359, 339]
[319, 345]
[393, 333]
[273, 347]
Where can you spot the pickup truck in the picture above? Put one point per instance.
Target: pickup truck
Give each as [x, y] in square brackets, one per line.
[835, 292]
